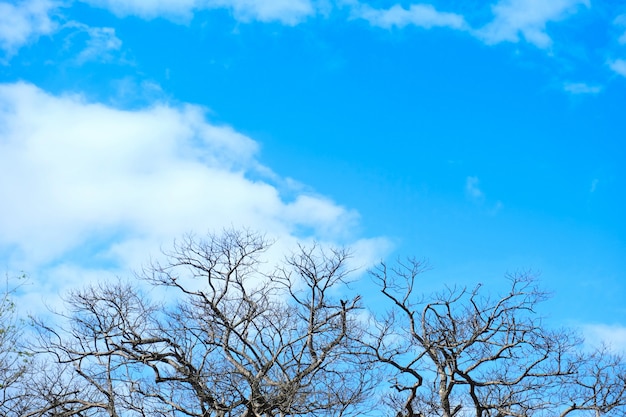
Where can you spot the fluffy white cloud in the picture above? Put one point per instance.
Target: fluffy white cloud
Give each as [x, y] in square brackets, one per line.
[86, 185]
[618, 66]
[23, 22]
[528, 18]
[582, 88]
[422, 15]
[289, 12]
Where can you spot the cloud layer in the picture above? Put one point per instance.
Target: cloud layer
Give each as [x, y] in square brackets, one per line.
[513, 20]
[23, 22]
[289, 12]
[582, 88]
[618, 66]
[528, 19]
[422, 15]
[613, 336]
[86, 179]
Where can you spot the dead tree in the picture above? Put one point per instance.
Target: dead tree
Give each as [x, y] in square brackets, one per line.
[15, 359]
[79, 369]
[462, 352]
[233, 337]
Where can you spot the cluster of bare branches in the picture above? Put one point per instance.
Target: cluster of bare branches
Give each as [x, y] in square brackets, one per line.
[232, 336]
[462, 352]
[234, 340]
[14, 357]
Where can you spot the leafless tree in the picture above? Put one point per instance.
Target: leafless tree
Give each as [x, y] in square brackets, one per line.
[234, 337]
[461, 352]
[599, 385]
[14, 358]
[80, 370]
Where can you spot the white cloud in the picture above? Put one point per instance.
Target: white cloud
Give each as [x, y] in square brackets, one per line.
[618, 66]
[614, 336]
[513, 19]
[422, 15]
[289, 12]
[527, 18]
[90, 185]
[472, 191]
[129, 91]
[475, 194]
[178, 10]
[100, 42]
[23, 22]
[582, 88]
[367, 252]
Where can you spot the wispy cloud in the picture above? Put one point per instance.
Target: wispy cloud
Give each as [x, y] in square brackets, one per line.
[614, 336]
[472, 191]
[24, 22]
[582, 88]
[289, 12]
[100, 44]
[421, 15]
[618, 66]
[513, 21]
[91, 183]
[527, 19]
[594, 185]
[475, 194]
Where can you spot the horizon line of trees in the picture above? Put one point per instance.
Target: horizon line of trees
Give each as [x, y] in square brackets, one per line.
[231, 337]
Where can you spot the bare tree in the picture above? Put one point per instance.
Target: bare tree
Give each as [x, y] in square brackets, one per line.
[235, 337]
[80, 368]
[14, 357]
[461, 352]
[599, 385]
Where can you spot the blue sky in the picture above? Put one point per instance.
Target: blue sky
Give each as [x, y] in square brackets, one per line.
[487, 137]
